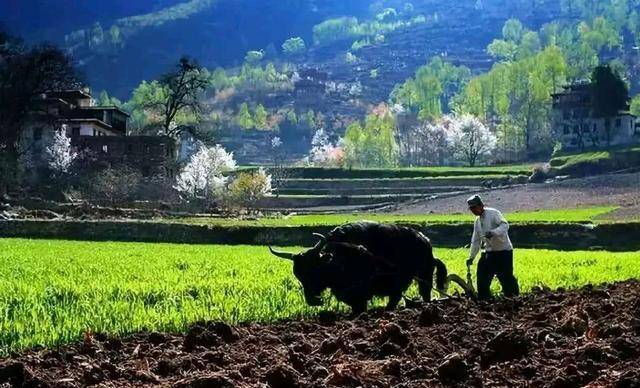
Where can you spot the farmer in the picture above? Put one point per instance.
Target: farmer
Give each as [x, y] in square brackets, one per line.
[490, 228]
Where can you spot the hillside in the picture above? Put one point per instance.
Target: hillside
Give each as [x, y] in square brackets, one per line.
[118, 45]
[116, 55]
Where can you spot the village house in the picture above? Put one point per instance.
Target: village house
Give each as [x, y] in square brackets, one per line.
[309, 88]
[573, 123]
[100, 131]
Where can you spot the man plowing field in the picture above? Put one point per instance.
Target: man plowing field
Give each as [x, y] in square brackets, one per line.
[491, 230]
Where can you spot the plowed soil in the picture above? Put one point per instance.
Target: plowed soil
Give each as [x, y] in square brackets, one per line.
[603, 190]
[588, 337]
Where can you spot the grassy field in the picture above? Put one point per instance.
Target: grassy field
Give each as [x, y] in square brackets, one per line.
[561, 215]
[53, 291]
[596, 161]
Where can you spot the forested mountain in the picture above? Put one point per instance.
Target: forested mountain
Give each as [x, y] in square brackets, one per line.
[119, 43]
[289, 68]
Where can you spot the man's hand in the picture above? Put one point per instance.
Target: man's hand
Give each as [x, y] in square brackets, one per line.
[488, 235]
[469, 262]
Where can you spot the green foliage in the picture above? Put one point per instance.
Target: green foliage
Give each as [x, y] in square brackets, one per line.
[359, 44]
[248, 188]
[513, 30]
[349, 27]
[260, 117]
[261, 79]
[517, 97]
[429, 92]
[596, 162]
[350, 58]
[600, 33]
[387, 15]
[254, 56]
[165, 287]
[244, 119]
[609, 95]
[169, 102]
[294, 46]
[635, 106]
[105, 100]
[609, 92]
[502, 49]
[335, 29]
[292, 117]
[113, 38]
[372, 145]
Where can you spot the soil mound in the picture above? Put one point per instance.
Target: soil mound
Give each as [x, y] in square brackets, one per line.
[584, 337]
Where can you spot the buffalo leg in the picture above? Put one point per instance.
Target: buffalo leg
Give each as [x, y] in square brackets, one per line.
[393, 301]
[358, 307]
[425, 283]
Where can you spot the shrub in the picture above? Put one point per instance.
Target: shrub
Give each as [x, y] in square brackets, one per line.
[294, 46]
[113, 185]
[248, 188]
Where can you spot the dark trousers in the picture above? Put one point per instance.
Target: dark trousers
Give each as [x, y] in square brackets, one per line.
[498, 264]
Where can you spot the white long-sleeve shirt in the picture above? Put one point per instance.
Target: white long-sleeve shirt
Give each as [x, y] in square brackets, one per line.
[491, 220]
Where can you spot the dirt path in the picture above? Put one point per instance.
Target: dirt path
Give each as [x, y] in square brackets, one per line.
[557, 339]
[622, 190]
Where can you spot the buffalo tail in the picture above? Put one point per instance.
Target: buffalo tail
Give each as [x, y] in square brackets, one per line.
[441, 273]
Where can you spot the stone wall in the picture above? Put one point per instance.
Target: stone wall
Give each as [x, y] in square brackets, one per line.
[152, 155]
[614, 237]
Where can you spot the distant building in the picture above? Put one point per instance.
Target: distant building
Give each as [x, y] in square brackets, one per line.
[309, 88]
[573, 124]
[100, 131]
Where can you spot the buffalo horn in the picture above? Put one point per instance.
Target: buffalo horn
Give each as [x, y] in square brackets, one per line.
[320, 244]
[284, 255]
[321, 237]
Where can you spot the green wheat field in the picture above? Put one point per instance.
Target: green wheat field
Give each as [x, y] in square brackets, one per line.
[53, 291]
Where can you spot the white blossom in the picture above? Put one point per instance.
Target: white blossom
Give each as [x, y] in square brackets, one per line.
[276, 142]
[204, 175]
[58, 154]
[470, 139]
[323, 152]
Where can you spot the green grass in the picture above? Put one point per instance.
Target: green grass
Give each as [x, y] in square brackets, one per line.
[53, 291]
[561, 215]
[587, 157]
[597, 161]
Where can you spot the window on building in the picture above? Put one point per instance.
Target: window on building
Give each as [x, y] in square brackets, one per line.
[94, 132]
[75, 132]
[146, 171]
[565, 129]
[595, 127]
[105, 148]
[37, 134]
[618, 123]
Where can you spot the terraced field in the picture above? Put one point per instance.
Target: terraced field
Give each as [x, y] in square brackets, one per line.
[341, 189]
[583, 215]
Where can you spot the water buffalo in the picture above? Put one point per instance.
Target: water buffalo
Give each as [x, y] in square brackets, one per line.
[364, 259]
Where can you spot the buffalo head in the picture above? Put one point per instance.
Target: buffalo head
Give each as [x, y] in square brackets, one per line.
[310, 267]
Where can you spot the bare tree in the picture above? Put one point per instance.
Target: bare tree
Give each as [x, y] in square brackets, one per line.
[181, 90]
